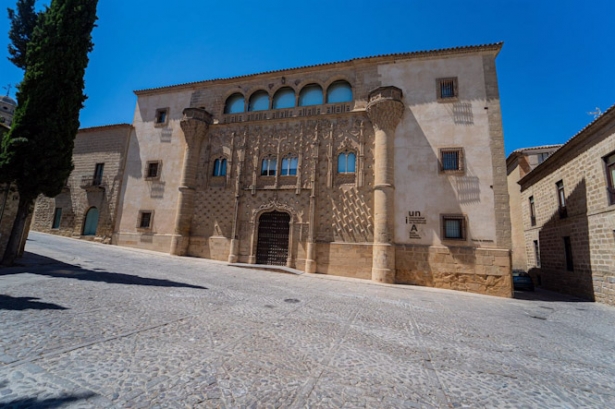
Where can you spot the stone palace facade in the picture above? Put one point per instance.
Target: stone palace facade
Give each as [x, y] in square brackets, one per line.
[388, 168]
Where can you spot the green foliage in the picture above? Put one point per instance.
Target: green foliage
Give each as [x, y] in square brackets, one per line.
[37, 152]
[23, 22]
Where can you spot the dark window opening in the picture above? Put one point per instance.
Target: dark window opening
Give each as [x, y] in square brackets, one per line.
[57, 218]
[152, 169]
[532, 211]
[568, 251]
[145, 220]
[98, 174]
[537, 252]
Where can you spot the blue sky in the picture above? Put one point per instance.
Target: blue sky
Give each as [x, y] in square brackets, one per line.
[557, 63]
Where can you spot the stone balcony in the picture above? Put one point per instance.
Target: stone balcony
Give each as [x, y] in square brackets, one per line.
[92, 184]
[295, 112]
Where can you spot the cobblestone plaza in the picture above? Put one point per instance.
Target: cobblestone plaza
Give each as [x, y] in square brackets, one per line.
[83, 325]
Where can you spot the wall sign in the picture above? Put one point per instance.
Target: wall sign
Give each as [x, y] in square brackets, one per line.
[413, 219]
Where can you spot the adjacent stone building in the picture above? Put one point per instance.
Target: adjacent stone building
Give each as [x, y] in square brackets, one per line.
[388, 168]
[568, 218]
[87, 207]
[518, 164]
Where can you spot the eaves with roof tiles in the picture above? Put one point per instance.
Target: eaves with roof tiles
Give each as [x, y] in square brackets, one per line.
[493, 47]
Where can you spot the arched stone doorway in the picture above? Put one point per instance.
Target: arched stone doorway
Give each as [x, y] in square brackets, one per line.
[273, 238]
[91, 222]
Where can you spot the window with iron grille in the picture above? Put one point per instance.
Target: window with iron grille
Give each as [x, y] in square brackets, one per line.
[451, 160]
[610, 177]
[145, 219]
[453, 227]
[447, 88]
[532, 211]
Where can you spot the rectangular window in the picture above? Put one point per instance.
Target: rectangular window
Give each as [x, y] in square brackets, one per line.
[537, 252]
[532, 211]
[451, 160]
[57, 218]
[610, 177]
[145, 220]
[561, 198]
[289, 166]
[447, 88]
[453, 227]
[98, 174]
[568, 251]
[269, 167]
[542, 157]
[162, 116]
[152, 170]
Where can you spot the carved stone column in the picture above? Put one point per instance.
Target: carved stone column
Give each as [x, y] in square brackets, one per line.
[195, 125]
[385, 110]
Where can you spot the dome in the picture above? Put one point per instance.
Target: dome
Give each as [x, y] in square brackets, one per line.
[8, 100]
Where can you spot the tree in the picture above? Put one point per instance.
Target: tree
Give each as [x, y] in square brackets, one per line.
[22, 25]
[37, 152]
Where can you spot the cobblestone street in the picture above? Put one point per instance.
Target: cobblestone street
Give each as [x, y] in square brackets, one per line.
[84, 325]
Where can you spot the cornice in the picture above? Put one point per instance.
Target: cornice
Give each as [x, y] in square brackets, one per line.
[493, 48]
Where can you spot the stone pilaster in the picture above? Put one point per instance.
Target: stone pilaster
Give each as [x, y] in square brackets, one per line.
[195, 125]
[385, 110]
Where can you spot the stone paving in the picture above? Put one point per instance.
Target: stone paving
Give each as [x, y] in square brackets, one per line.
[84, 325]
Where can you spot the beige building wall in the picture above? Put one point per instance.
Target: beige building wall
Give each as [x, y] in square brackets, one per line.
[332, 216]
[589, 219]
[98, 145]
[151, 141]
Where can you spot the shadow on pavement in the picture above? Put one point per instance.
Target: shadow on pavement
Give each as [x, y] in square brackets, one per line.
[545, 295]
[40, 265]
[45, 403]
[26, 303]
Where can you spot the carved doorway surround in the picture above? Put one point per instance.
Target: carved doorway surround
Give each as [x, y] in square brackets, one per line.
[272, 246]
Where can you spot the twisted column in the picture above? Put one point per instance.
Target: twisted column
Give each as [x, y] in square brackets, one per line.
[195, 125]
[385, 110]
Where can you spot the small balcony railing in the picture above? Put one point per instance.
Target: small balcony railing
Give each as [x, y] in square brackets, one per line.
[92, 183]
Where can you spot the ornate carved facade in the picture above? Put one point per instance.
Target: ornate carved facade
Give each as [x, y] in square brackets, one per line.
[350, 168]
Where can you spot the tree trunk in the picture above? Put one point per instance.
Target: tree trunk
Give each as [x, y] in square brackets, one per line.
[12, 248]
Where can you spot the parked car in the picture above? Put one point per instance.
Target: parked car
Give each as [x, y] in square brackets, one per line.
[522, 281]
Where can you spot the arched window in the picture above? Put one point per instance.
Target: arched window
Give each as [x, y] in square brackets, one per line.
[310, 95]
[234, 104]
[289, 166]
[346, 162]
[339, 91]
[220, 167]
[284, 98]
[259, 101]
[270, 165]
